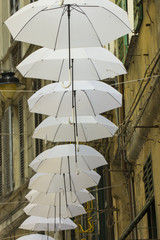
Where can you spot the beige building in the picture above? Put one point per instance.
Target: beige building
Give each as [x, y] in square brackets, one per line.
[127, 199]
[134, 156]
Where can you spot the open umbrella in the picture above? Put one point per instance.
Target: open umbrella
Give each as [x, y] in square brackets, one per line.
[61, 159]
[86, 22]
[49, 183]
[34, 223]
[73, 198]
[89, 64]
[92, 98]
[35, 237]
[50, 211]
[89, 128]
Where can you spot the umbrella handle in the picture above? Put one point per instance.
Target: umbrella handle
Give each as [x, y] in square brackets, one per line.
[69, 82]
[69, 120]
[77, 143]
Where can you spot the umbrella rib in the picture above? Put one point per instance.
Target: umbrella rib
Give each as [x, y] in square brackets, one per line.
[92, 26]
[89, 102]
[37, 102]
[64, 10]
[60, 70]
[73, 185]
[56, 132]
[48, 211]
[83, 132]
[95, 68]
[50, 183]
[86, 163]
[60, 104]
[107, 11]
[29, 22]
[118, 18]
[114, 98]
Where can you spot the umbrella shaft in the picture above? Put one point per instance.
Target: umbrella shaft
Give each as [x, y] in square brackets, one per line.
[69, 34]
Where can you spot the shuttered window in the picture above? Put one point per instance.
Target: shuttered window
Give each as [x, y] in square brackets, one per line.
[148, 178]
[38, 119]
[38, 142]
[21, 140]
[1, 179]
[138, 14]
[7, 150]
[122, 43]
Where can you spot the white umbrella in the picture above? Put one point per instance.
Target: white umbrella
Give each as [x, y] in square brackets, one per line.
[35, 237]
[49, 183]
[34, 223]
[89, 128]
[73, 198]
[61, 159]
[50, 211]
[92, 98]
[89, 64]
[91, 23]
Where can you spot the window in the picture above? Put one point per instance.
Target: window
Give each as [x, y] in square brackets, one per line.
[138, 14]
[38, 119]
[7, 150]
[122, 43]
[38, 142]
[1, 179]
[14, 6]
[148, 178]
[149, 192]
[21, 140]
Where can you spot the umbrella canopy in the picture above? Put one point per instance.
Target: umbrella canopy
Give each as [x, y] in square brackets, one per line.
[92, 23]
[35, 237]
[73, 198]
[89, 64]
[34, 223]
[61, 159]
[89, 128]
[49, 183]
[50, 211]
[92, 98]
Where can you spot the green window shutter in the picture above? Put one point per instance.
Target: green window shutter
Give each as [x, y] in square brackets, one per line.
[138, 14]
[21, 140]
[7, 150]
[1, 179]
[122, 43]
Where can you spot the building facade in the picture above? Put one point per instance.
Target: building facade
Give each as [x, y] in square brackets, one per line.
[127, 198]
[135, 162]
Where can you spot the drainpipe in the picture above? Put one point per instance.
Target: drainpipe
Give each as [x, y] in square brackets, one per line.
[10, 148]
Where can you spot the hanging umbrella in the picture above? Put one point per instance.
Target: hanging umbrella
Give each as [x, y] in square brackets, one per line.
[50, 211]
[49, 183]
[92, 98]
[89, 128]
[35, 237]
[89, 64]
[87, 22]
[73, 198]
[61, 159]
[34, 223]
